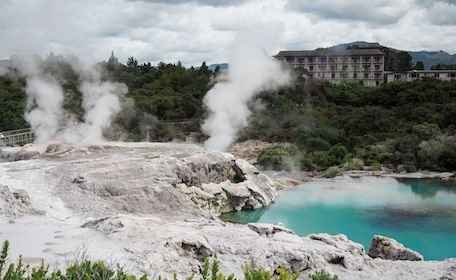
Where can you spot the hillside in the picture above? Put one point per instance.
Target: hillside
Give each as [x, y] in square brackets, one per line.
[429, 58]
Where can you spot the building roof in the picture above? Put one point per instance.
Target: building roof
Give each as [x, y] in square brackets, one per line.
[363, 51]
[420, 71]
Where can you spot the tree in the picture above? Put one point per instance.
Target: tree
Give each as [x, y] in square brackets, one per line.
[352, 47]
[397, 60]
[419, 65]
[132, 63]
[441, 66]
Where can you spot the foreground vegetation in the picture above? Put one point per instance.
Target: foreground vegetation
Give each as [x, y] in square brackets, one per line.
[404, 126]
[98, 270]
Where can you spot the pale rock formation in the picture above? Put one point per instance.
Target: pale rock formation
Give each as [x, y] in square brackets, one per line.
[25, 152]
[14, 204]
[389, 249]
[268, 229]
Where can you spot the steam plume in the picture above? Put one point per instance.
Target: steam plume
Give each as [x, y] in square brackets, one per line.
[250, 71]
[101, 101]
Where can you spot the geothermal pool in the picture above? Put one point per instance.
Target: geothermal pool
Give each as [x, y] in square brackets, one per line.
[421, 214]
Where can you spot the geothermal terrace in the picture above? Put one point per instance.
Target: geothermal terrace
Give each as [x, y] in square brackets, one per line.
[154, 208]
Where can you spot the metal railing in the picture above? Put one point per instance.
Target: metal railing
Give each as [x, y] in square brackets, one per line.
[18, 137]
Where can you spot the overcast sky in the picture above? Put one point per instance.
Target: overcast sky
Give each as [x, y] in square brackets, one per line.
[193, 31]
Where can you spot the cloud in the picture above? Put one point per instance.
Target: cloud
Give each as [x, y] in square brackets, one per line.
[202, 2]
[373, 11]
[441, 12]
[194, 31]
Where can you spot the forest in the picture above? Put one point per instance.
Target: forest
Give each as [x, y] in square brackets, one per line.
[405, 126]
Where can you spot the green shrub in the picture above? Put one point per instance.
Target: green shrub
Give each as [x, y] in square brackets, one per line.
[332, 172]
[376, 166]
[276, 157]
[353, 164]
[338, 153]
[426, 131]
[322, 158]
[306, 164]
[317, 144]
[322, 275]
[410, 166]
[447, 158]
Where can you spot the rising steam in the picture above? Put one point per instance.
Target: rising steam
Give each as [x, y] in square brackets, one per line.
[250, 71]
[101, 101]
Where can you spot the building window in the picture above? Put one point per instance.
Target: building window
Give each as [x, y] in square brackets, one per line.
[414, 75]
[452, 75]
[377, 67]
[397, 76]
[377, 58]
[436, 75]
[366, 75]
[311, 60]
[333, 76]
[355, 76]
[366, 66]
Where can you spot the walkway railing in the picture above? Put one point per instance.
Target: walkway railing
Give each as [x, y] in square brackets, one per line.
[17, 137]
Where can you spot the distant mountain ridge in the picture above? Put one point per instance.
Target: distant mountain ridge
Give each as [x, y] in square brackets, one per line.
[429, 58]
[223, 66]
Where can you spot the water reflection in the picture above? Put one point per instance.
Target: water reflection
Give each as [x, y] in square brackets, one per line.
[426, 188]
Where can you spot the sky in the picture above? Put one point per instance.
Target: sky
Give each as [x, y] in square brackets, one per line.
[192, 31]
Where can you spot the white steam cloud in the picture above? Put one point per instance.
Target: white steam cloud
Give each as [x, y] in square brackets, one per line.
[44, 118]
[101, 101]
[250, 71]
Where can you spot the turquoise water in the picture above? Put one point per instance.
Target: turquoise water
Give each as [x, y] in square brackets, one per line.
[421, 214]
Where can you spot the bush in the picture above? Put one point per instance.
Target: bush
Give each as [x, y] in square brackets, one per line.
[426, 131]
[447, 158]
[338, 153]
[316, 143]
[410, 166]
[307, 164]
[353, 164]
[276, 157]
[322, 158]
[322, 275]
[332, 172]
[376, 166]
